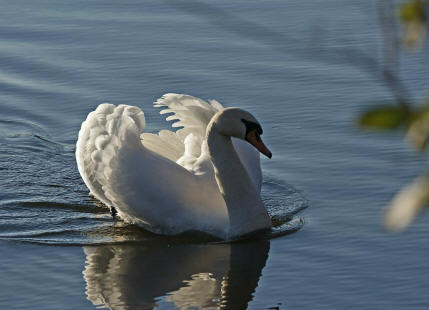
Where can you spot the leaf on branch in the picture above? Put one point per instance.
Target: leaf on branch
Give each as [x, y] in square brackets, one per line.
[413, 10]
[386, 117]
[413, 16]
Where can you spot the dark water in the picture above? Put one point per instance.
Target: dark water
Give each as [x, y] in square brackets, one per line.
[282, 61]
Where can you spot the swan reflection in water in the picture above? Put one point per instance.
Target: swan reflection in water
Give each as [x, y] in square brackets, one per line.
[183, 276]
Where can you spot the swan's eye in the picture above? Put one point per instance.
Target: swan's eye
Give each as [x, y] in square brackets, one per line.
[250, 126]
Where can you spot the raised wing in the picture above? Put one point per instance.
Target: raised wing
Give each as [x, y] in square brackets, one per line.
[193, 115]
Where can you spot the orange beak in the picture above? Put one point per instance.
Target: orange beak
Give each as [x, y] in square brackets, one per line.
[255, 139]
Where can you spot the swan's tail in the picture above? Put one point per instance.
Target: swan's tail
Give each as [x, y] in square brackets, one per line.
[100, 137]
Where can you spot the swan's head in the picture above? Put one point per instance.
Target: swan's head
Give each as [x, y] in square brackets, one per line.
[235, 122]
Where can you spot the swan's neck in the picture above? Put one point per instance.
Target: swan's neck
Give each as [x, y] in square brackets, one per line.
[245, 208]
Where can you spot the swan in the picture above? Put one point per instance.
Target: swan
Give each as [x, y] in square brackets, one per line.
[205, 177]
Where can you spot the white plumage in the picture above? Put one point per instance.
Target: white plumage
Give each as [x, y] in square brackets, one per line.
[166, 182]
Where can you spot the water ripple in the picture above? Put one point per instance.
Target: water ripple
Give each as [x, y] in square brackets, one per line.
[38, 167]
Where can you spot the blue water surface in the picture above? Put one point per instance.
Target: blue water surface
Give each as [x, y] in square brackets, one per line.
[288, 62]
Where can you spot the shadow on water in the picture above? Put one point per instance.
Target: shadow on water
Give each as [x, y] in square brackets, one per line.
[185, 276]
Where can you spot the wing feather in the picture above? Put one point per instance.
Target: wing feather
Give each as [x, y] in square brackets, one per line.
[191, 113]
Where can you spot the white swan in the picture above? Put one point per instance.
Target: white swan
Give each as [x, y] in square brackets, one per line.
[203, 177]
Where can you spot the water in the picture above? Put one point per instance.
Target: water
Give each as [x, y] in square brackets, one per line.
[281, 61]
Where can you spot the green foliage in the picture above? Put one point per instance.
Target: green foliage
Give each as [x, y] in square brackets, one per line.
[389, 117]
[413, 11]
[413, 15]
[385, 117]
[408, 202]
